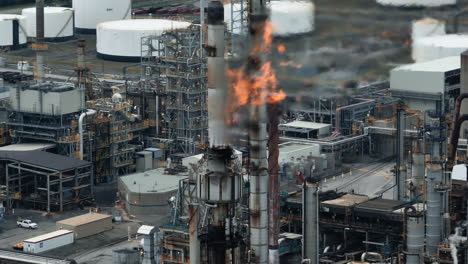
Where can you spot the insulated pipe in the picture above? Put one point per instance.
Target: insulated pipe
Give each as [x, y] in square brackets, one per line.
[455, 133]
[310, 221]
[89, 112]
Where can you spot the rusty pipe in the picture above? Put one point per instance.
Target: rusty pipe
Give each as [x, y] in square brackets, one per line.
[455, 133]
[273, 187]
[454, 140]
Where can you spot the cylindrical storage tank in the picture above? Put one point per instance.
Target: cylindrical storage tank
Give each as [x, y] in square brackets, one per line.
[414, 239]
[427, 27]
[127, 34]
[125, 256]
[288, 17]
[13, 32]
[58, 23]
[416, 3]
[436, 47]
[291, 17]
[89, 13]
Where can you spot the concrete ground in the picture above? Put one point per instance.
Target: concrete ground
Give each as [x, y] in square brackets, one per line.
[369, 179]
[91, 250]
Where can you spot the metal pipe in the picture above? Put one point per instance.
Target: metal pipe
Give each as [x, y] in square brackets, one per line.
[310, 221]
[400, 191]
[194, 242]
[89, 112]
[273, 171]
[455, 133]
[339, 109]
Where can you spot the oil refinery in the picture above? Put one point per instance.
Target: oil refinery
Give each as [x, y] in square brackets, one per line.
[237, 132]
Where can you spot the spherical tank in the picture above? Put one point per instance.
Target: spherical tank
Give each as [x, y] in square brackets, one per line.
[89, 13]
[121, 40]
[13, 32]
[427, 27]
[436, 47]
[416, 3]
[58, 23]
[288, 17]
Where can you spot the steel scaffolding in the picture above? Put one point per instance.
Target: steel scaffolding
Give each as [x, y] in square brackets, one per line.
[174, 60]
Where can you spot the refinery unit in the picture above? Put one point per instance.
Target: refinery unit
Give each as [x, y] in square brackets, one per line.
[215, 140]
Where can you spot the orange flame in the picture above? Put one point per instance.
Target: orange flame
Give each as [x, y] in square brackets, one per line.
[258, 88]
[281, 49]
[264, 45]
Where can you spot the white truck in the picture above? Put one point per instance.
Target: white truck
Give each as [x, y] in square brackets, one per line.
[25, 223]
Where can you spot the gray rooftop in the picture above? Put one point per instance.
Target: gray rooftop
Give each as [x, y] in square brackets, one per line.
[291, 147]
[305, 124]
[439, 65]
[44, 159]
[152, 181]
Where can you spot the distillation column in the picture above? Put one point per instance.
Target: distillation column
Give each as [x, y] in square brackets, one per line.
[400, 190]
[310, 221]
[414, 235]
[418, 171]
[434, 211]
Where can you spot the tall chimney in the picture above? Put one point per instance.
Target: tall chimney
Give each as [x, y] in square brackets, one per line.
[273, 170]
[39, 45]
[258, 202]
[310, 221]
[464, 89]
[217, 83]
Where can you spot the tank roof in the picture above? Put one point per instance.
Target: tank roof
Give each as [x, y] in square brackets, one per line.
[144, 24]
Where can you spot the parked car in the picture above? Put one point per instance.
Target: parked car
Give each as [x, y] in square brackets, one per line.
[25, 223]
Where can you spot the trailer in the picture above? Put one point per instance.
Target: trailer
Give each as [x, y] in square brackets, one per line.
[48, 241]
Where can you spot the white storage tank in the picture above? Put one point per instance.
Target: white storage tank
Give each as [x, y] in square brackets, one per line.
[89, 13]
[13, 32]
[427, 27]
[58, 23]
[288, 17]
[127, 34]
[416, 3]
[436, 47]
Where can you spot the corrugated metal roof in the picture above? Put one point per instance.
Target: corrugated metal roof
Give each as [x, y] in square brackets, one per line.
[48, 236]
[44, 159]
[381, 205]
[83, 219]
[27, 147]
